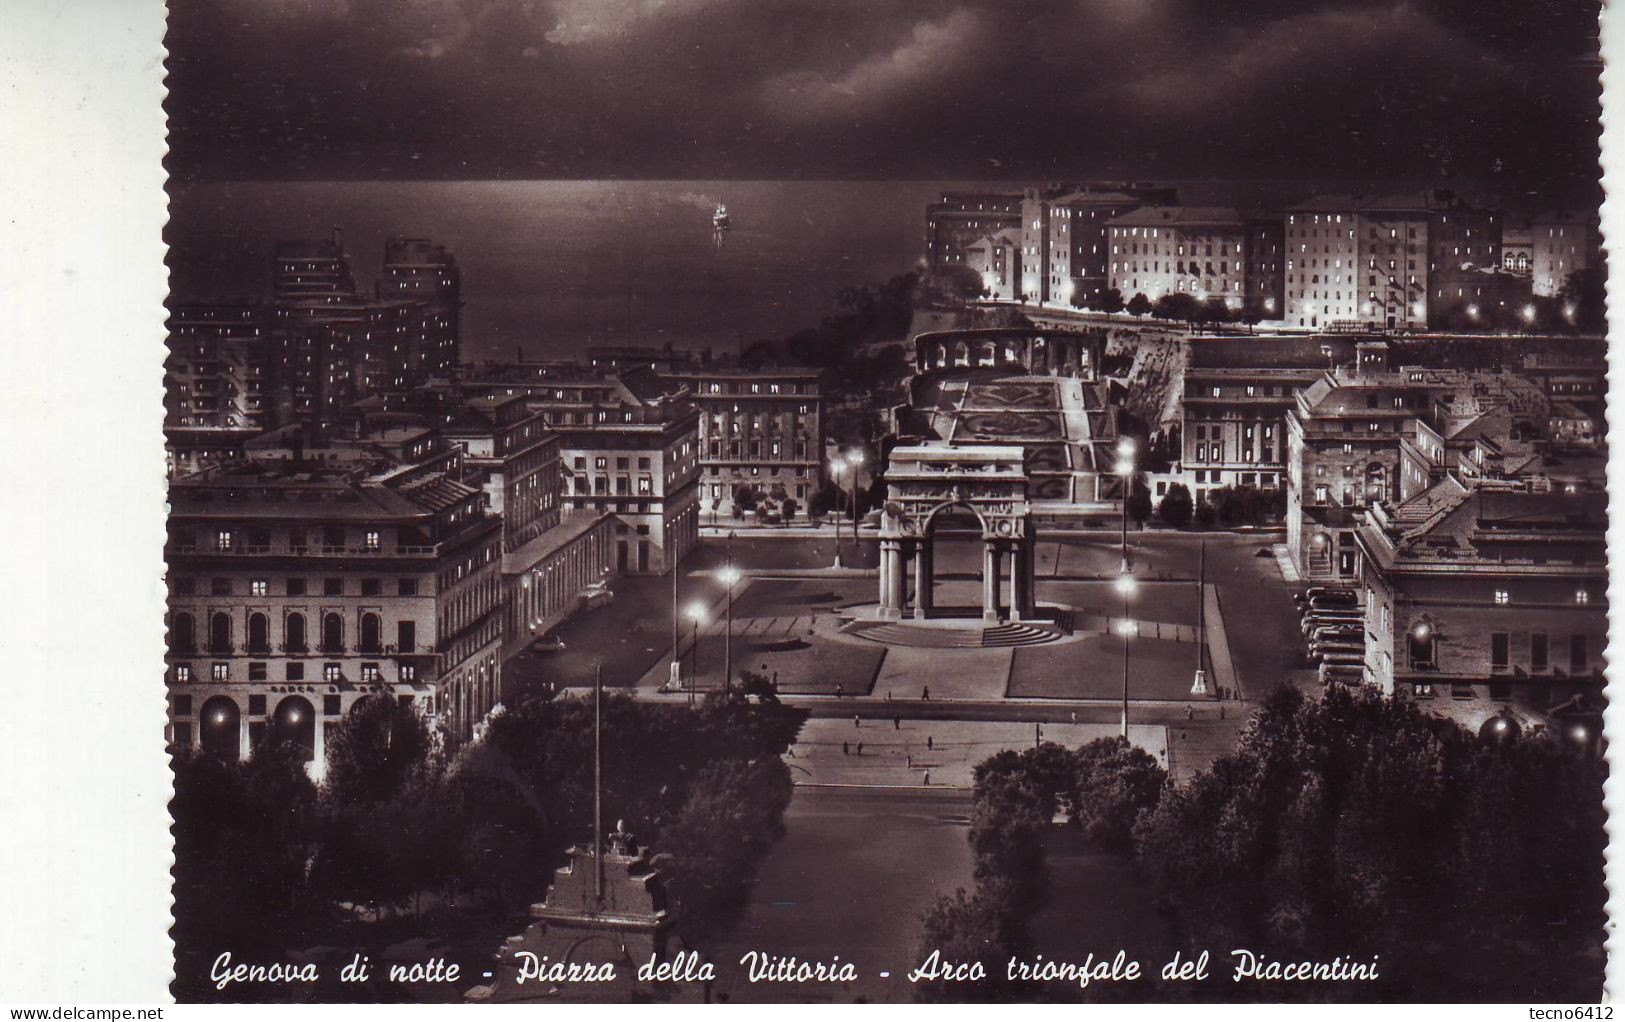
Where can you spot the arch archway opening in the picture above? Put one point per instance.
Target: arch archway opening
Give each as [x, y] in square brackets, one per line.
[295, 723]
[220, 728]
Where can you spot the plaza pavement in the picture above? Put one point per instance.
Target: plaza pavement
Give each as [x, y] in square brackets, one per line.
[912, 752]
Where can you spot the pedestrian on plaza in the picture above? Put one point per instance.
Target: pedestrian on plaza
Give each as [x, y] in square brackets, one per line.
[860, 748]
[897, 723]
[911, 762]
[925, 693]
[840, 691]
[1074, 716]
[928, 778]
[846, 749]
[855, 721]
[928, 741]
[1221, 711]
[1190, 713]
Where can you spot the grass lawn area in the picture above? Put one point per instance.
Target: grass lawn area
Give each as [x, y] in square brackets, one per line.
[1092, 668]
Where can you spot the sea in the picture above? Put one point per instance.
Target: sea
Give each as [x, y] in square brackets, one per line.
[552, 268]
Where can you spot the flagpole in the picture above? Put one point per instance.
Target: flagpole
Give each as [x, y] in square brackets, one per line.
[598, 782]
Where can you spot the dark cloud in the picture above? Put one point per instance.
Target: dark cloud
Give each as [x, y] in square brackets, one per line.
[1488, 90]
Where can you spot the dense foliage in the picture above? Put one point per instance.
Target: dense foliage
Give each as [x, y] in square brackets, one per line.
[1358, 825]
[267, 861]
[1101, 787]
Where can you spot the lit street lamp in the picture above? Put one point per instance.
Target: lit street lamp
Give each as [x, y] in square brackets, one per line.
[846, 464]
[696, 613]
[1126, 629]
[1125, 580]
[730, 578]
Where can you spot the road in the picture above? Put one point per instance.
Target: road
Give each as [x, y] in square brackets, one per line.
[853, 876]
[857, 870]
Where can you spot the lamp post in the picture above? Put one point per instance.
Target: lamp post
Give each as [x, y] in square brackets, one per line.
[1199, 683]
[1125, 630]
[1125, 579]
[730, 578]
[842, 465]
[676, 660]
[1125, 469]
[696, 613]
[854, 460]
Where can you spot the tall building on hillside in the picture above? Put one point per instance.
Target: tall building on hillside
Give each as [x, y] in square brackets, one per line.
[997, 260]
[1195, 250]
[961, 218]
[1356, 261]
[297, 588]
[1368, 261]
[759, 429]
[1562, 242]
[1518, 248]
[1078, 244]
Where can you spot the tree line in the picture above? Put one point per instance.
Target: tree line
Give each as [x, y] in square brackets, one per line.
[1354, 824]
[266, 860]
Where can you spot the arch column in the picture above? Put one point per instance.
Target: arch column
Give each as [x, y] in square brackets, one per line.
[1017, 583]
[1022, 571]
[892, 572]
[923, 579]
[990, 580]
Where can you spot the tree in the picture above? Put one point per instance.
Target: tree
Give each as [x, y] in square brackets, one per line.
[1216, 310]
[1204, 516]
[1111, 301]
[965, 928]
[1176, 507]
[789, 507]
[746, 497]
[1114, 782]
[1583, 292]
[1252, 315]
[1178, 305]
[734, 811]
[1139, 502]
[824, 500]
[1139, 305]
[374, 750]
[243, 834]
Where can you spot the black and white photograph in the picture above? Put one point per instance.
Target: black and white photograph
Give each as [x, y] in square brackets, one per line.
[882, 501]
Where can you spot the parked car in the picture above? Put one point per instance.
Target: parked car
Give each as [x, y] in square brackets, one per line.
[1338, 631]
[597, 594]
[1303, 598]
[1334, 601]
[549, 643]
[1345, 673]
[1324, 618]
[1336, 650]
[1343, 657]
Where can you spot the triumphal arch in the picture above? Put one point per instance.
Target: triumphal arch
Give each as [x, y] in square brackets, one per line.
[922, 483]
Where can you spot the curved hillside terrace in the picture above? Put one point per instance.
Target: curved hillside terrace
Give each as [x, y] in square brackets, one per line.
[1058, 421]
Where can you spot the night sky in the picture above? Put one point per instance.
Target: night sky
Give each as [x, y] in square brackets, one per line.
[1502, 93]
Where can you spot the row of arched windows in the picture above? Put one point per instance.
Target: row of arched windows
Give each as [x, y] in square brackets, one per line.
[183, 633]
